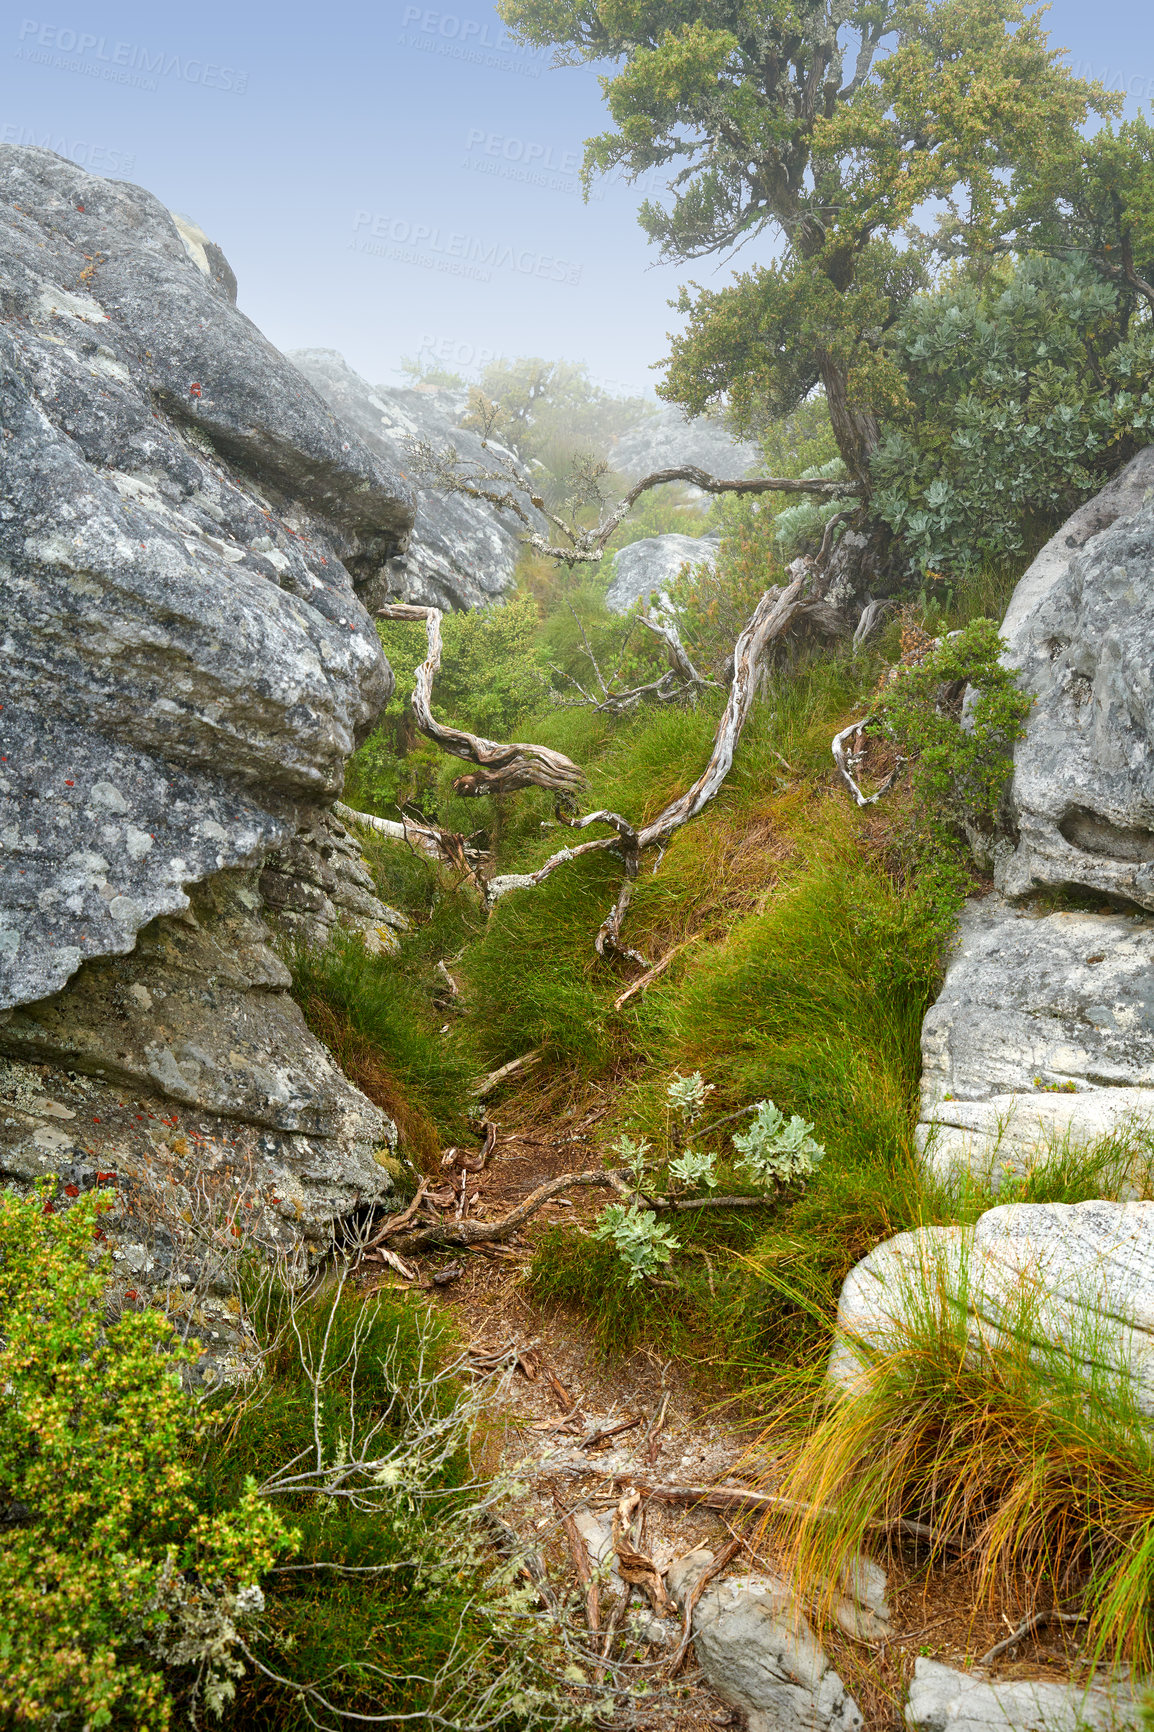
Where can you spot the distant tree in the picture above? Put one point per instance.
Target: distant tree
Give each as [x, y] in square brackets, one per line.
[837, 125]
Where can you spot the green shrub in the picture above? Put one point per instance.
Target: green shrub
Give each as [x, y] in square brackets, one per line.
[393, 1602]
[1025, 389]
[961, 761]
[110, 1576]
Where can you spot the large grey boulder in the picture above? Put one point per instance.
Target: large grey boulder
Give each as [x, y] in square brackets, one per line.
[668, 439]
[183, 527]
[942, 1699]
[462, 552]
[1079, 1276]
[648, 567]
[1042, 1036]
[1081, 629]
[760, 1655]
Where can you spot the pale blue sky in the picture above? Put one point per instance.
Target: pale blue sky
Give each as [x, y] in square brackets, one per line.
[389, 178]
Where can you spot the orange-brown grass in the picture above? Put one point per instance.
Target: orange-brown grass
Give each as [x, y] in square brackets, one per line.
[363, 1064]
[1030, 1461]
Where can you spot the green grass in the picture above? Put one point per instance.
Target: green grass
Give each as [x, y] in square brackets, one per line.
[389, 1603]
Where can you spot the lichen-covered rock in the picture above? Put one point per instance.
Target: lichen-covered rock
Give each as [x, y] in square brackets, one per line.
[1042, 1034]
[462, 552]
[183, 1080]
[760, 1655]
[1077, 1275]
[650, 566]
[318, 883]
[183, 528]
[942, 1699]
[1081, 629]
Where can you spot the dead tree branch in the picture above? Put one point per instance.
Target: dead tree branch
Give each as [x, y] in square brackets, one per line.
[500, 768]
[847, 762]
[505, 485]
[774, 614]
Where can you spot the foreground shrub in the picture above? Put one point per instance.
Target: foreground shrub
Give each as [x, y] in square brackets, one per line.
[109, 1573]
[394, 1602]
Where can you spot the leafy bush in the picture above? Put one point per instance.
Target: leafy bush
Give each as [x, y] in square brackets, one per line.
[391, 1603]
[1024, 390]
[643, 1246]
[960, 744]
[109, 1573]
[775, 1150]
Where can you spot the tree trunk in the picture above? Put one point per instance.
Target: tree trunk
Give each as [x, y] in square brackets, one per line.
[855, 430]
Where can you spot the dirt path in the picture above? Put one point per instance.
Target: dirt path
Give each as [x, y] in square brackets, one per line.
[579, 1431]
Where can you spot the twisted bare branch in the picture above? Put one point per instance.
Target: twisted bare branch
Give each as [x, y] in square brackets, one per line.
[500, 768]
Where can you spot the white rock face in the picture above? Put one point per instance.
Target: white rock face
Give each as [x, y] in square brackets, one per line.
[944, 1700]
[668, 439]
[1044, 1030]
[760, 1655]
[1081, 629]
[649, 566]
[1089, 1267]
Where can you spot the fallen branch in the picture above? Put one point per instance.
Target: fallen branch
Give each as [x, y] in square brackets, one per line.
[651, 974]
[503, 1073]
[1037, 1621]
[501, 769]
[847, 762]
[425, 838]
[396, 1223]
[581, 1564]
[723, 1558]
[734, 1497]
[494, 1232]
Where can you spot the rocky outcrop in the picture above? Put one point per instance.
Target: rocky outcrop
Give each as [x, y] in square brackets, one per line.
[1042, 1036]
[186, 531]
[667, 439]
[1078, 1276]
[318, 883]
[942, 1699]
[1081, 629]
[1044, 1030]
[644, 568]
[462, 552]
[184, 528]
[759, 1654]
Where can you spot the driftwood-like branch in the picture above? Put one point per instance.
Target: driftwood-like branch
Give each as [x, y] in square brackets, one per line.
[651, 974]
[1037, 1621]
[500, 768]
[425, 839]
[494, 1232]
[504, 1073]
[462, 1232]
[846, 762]
[725, 1497]
[505, 485]
[777, 610]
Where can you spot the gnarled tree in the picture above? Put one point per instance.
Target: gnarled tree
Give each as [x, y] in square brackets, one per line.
[833, 126]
